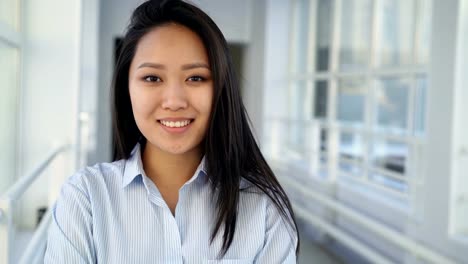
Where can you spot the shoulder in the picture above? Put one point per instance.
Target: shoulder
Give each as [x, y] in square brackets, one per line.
[251, 190]
[262, 206]
[97, 177]
[253, 199]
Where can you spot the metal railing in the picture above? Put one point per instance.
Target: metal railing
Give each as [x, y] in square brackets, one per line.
[36, 248]
[7, 204]
[396, 238]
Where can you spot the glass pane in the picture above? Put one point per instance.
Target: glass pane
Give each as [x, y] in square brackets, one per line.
[351, 147]
[391, 97]
[350, 152]
[303, 146]
[356, 21]
[324, 18]
[301, 36]
[321, 97]
[389, 182]
[351, 100]
[299, 103]
[8, 109]
[395, 22]
[351, 168]
[297, 137]
[323, 140]
[323, 160]
[276, 137]
[323, 169]
[9, 10]
[420, 105]
[423, 31]
[390, 155]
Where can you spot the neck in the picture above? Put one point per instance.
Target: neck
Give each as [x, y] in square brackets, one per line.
[170, 171]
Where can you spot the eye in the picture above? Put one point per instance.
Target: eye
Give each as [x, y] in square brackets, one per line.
[196, 79]
[152, 78]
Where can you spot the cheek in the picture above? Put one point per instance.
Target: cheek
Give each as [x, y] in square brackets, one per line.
[205, 101]
[142, 104]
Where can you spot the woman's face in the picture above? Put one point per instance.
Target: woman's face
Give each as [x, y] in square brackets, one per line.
[171, 89]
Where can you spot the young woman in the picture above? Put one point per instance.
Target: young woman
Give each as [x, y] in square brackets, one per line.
[189, 183]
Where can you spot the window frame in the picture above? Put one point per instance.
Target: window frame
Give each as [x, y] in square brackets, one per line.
[372, 74]
[12, 36]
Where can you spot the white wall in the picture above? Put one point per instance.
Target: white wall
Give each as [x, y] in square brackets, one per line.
[89, 79]
[48, 93]
[254, 67]
[271, 100]
[459, 183]
[114, 17]
[232, 17]
[276, 62]
[434, 198]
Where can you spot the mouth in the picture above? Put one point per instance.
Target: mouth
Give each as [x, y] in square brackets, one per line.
[175, 123]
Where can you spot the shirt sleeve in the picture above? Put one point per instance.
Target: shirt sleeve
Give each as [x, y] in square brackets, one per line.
[280, 241]
[70, 237]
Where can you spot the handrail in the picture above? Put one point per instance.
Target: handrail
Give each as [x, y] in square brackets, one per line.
[15, 191]
[38, 242]
[392, 236]
[8, 200]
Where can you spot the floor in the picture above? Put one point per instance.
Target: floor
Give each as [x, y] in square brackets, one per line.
[311, 252]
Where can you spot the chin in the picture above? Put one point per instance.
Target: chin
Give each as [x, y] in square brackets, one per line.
[175, 149]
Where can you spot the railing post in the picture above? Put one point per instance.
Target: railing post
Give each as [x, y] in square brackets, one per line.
[6, 230]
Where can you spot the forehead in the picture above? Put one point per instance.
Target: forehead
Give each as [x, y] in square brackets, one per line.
[170, 44]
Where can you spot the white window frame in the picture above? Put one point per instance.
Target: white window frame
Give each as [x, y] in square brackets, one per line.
[13, 37]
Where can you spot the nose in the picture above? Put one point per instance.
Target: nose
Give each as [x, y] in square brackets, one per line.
[174, 97]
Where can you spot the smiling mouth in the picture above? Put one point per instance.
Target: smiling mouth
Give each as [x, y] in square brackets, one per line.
[175, 124]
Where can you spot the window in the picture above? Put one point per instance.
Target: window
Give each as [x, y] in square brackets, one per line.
[9, 89]
[358, 83]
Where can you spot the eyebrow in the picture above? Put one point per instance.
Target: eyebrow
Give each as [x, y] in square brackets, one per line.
[184, 67]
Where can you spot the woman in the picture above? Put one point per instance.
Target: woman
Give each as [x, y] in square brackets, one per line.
[188, 183]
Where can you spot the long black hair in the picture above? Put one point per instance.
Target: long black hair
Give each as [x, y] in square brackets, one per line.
[231, 151]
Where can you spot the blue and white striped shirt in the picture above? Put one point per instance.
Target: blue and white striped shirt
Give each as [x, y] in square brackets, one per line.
[113, 213]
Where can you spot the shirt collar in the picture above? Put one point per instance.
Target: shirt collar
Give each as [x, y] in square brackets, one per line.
[200, 173]
[134, 168]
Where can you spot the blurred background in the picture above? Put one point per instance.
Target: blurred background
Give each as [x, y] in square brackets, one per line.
[358, 105]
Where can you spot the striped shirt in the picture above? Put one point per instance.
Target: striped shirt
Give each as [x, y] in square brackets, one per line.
[113, 213]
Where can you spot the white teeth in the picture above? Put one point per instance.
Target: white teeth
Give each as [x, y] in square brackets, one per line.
[175, 124]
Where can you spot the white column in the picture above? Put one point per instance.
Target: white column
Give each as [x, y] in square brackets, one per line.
[438, 173]
[459, 182]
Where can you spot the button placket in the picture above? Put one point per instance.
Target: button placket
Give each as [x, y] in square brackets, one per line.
[172, 237]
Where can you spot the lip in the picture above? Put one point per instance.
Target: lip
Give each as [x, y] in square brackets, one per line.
[176, 130]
